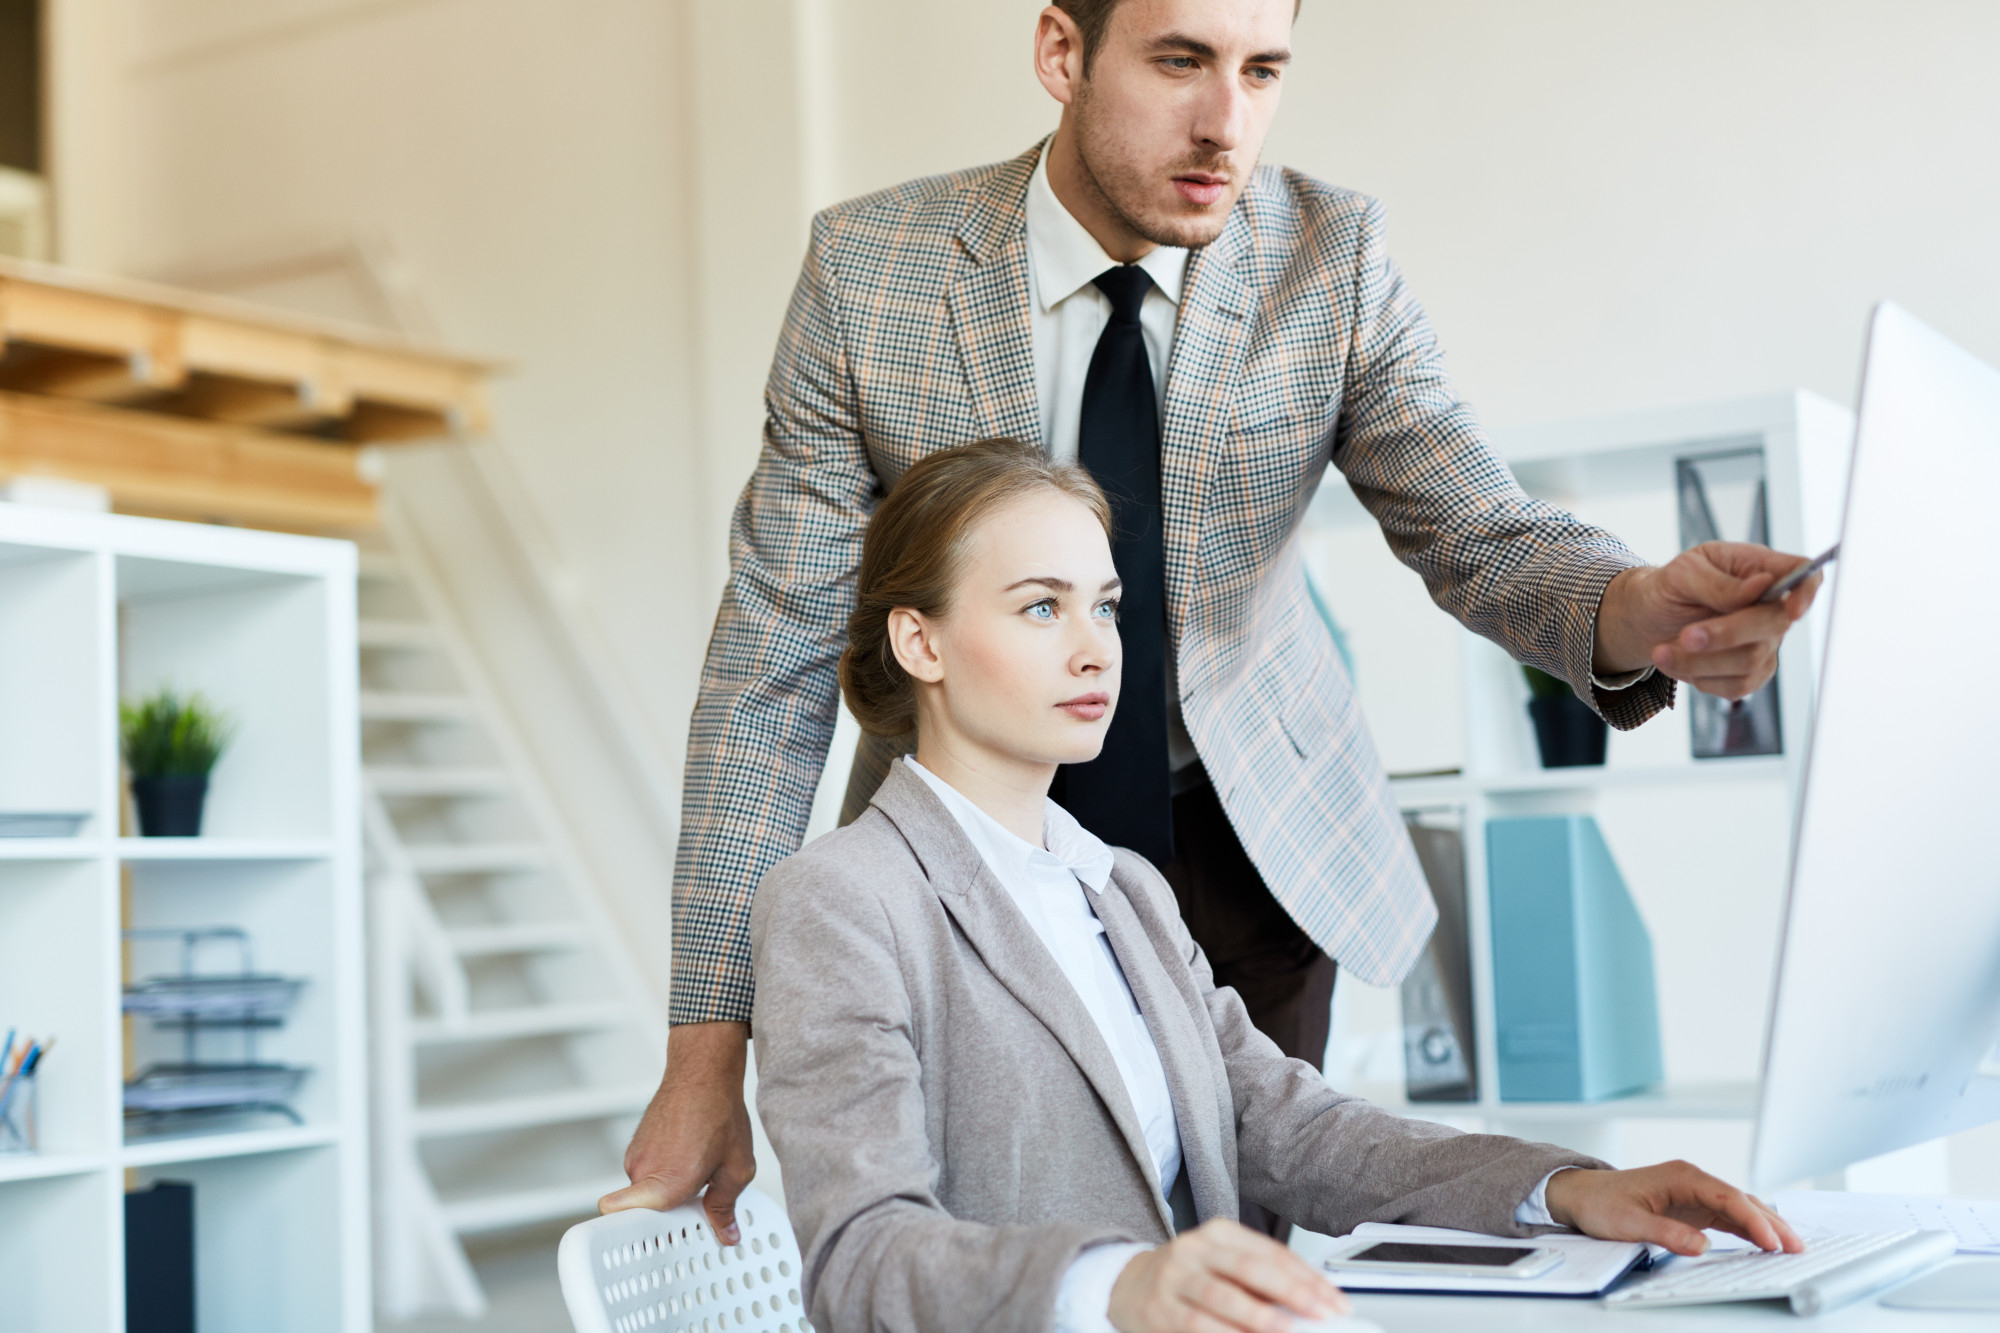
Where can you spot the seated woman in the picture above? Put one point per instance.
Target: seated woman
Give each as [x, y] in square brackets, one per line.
[1002, 1086]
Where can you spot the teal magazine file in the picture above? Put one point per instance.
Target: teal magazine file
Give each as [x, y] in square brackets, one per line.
[1577, 1012]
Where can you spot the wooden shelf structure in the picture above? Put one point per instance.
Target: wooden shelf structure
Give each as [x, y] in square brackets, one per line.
[190, 406]
[96, 608]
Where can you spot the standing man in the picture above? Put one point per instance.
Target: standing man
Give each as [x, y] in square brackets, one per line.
[1206, 336]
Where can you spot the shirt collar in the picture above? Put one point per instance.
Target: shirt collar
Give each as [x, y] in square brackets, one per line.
[1070, 844]
[1066, 258]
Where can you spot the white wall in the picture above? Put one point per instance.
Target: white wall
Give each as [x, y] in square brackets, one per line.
[527, 163]
[1605, 207]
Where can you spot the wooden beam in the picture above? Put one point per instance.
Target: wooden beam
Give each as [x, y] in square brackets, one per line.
[70, 335]
[180, 468]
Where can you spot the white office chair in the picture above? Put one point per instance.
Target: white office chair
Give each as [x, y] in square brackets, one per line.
[641, 1271]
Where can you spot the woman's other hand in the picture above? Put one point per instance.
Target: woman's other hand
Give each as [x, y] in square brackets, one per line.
[1670, 1204]
[1221, 1276]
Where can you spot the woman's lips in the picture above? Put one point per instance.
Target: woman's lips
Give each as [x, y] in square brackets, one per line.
[1087, 707]
[1202, 190]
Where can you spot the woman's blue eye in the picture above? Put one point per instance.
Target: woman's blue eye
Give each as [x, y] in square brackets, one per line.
[1107, 610]
[1043, 610]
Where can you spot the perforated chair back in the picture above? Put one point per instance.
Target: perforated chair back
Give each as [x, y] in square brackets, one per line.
[641, 1271]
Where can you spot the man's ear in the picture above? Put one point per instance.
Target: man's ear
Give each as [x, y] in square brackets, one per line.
[913, 638]
[1058, 54]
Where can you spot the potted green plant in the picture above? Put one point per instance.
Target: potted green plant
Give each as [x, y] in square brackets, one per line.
[1567, 731]
[171, 742]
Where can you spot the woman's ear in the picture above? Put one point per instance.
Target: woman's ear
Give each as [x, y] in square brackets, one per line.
[913, 639]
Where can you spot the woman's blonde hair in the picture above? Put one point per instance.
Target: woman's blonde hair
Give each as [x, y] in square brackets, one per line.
[913, 551]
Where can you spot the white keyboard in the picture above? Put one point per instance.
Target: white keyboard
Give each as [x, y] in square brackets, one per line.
[1833, 1271]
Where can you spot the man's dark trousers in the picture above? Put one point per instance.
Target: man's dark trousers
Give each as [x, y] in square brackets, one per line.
[1251, 942]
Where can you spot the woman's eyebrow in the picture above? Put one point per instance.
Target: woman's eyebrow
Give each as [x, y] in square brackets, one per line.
[1043, 580]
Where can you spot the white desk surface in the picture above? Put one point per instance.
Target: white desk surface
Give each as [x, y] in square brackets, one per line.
[1517, 1314]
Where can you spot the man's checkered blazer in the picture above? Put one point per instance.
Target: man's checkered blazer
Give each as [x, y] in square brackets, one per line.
[1297, 346]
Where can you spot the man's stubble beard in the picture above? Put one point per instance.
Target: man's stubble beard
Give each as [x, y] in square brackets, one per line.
[1109, 180]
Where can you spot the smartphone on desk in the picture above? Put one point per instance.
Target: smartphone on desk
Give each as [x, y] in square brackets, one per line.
[1443, 1259]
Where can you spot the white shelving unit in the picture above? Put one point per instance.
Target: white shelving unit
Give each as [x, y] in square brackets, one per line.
[1619, 472]
[94, 608]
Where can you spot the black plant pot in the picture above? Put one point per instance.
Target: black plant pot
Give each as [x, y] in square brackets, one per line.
[170, 807]
[1568, 734]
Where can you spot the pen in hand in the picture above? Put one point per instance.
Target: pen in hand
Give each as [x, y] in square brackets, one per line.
[1792, 580]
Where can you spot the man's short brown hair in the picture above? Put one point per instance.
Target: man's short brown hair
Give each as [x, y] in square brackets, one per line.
[1093, 18]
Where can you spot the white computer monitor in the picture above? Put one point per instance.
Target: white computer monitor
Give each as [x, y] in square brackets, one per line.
[1887, 1006]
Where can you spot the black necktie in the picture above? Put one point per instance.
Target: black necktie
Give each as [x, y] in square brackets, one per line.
[1124, 795]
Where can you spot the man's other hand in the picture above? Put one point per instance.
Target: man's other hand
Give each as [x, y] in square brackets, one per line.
[696, 1131]
[1697, 618]
[1670, 1204]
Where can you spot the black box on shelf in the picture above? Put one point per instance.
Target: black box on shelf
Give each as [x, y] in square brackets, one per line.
[159, 1258]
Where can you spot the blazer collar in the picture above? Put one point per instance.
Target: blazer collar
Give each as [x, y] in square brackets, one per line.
[988, 298]
[1013, 953]
[1211, 338]
[1204, 1107]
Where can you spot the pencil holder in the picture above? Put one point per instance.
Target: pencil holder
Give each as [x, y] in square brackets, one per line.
[17, 1114]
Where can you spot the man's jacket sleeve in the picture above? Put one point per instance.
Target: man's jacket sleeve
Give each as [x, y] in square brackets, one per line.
[769, 692]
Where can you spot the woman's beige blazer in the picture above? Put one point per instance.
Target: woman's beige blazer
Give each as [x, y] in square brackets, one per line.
[949, 1123]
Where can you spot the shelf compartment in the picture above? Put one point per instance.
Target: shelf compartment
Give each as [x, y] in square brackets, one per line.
[54, 1233]
[286, 908]
[172, 1148]
[57, 965]
[50, 849]
[45, 1166]
[206, 848]
[255, 643]
[51, 672]
[264, 1257]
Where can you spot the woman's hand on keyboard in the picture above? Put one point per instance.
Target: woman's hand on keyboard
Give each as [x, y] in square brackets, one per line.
[1670, 1204]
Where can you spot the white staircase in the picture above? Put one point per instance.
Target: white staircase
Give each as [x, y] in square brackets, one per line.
[515, 1039]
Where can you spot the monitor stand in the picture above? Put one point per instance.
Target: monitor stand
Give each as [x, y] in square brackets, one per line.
[1965, 1284]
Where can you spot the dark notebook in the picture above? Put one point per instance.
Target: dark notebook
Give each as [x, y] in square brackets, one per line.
[159, 1259]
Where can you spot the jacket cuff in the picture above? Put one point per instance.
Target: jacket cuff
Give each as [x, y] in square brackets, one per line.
[1624, 706]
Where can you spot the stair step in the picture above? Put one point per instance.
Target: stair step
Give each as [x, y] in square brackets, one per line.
[379, 706]
[492, 1212]
[541, 1020]
[396, 634]
[440, 781]
[475, 858]
[517, 937]
[546, 1108]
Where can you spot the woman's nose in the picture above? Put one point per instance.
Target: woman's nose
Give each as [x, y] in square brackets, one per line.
[1096, 650]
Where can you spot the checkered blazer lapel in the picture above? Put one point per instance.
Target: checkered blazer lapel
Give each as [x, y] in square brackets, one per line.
[988, 305]
[1211, 335]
